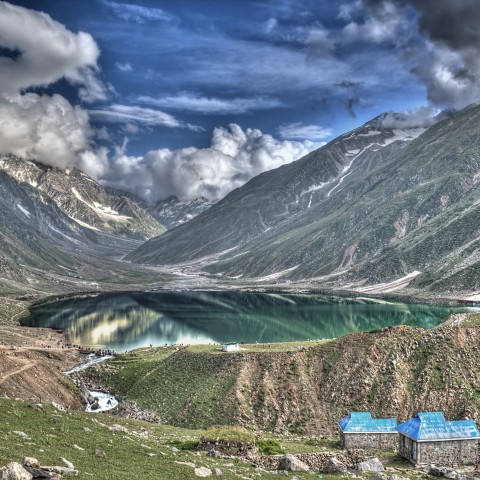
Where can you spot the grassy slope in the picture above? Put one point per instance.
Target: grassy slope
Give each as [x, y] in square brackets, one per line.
[393, 372]
[130, 454]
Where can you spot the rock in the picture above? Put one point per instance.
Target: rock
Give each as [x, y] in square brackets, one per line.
[31, 462]
[21, 434]
[37, 473]
[67, 463]
[372, 465]
[397, 477]
[175, 449]
[100, 453]
[213, 453]
[77, 447]
[203, 472]
[292, 464]
[59, 407]
[218, 472]
[188, 464]
[37, 406]
[442, 472]
[334, 465]
[61, 470]
[86, 430]
[94, 406]
[14, 471]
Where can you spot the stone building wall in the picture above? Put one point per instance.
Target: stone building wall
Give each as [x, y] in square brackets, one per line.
[369, 441]
[439, 453]
[445, 453]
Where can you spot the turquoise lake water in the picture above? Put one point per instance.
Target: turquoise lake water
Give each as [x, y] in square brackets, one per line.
[127, 321]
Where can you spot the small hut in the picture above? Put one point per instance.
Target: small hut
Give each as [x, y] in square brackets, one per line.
[360, 431]
[428, 438]
[230, 347]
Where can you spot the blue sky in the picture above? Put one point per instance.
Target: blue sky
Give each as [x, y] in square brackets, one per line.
[252, 56]
[169, 76]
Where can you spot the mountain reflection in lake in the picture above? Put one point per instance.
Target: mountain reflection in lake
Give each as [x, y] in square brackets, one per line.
[128, 321]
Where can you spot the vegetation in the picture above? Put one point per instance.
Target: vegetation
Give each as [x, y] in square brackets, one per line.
[229, 434]
[133, 449]
[270, 447]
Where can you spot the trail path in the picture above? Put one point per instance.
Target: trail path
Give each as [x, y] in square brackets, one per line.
[27, 366]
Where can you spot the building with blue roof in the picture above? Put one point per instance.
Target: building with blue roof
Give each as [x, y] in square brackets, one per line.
[359, 430]
[428, 438]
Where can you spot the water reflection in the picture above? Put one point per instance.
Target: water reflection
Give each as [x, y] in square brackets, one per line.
[127, 321]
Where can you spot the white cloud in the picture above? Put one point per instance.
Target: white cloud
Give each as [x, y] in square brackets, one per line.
[191, 102]
[130, 113]
[298, 130]
[234, 157]
[386, 24]
[45, 128]
[124, 67]
[48, 52]
[137, 13]
[420, 117]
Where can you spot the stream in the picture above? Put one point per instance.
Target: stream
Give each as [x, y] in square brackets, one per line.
[102, 401]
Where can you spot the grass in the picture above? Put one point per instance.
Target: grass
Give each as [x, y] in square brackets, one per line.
[472, 320]
[228, 434]
[270, 447]
[11, 312]
[144, 450]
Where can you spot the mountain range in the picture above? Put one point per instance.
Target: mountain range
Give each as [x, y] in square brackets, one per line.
[375, 205]
[383, 206]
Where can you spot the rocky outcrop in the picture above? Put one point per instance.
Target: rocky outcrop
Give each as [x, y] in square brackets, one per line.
[290, 463]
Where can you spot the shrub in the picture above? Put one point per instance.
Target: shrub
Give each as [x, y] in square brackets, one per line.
[269, 447]
[228, 434]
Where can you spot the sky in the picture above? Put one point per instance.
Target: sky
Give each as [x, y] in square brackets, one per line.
[194, 97]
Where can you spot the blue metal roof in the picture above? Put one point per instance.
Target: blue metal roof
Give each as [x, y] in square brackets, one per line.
[433, 426]
[362, 422]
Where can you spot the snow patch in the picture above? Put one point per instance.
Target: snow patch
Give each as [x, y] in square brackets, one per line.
[101, 210]
[23, 210]
[276, 275]
[390, 286]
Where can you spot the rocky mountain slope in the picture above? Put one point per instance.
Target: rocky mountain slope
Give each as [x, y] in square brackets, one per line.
[82, 199]
[372, 206]
[61, 230]
[395, 372]
[172, 212]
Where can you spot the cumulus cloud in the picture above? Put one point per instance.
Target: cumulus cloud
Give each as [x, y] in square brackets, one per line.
[130, 113]
[419, 118]
[440, 43]
[298, 130]
[234, 157]
[192, 102]
[43, 127]
[47, 53]
[136, 13]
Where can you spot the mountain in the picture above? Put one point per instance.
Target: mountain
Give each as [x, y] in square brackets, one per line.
[61, 230]
[375, 205]
[172, 212]
[83, 199]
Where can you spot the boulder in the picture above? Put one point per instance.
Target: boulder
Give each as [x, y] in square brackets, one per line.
[442, 472]
[14, 471]
[372, 465]
[214, 453]
[203, 472]
[396, 477]
[31, 462]
[334, 465]
[292, 464]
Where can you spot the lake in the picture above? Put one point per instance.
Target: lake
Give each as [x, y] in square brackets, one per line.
[132, 320]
